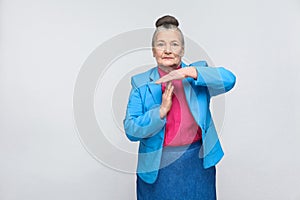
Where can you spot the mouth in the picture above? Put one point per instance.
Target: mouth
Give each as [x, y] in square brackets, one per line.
[167, 58]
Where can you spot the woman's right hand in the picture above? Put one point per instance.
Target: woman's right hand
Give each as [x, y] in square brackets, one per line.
[166, 100]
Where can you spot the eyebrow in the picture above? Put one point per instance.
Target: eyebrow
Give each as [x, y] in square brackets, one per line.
[165, 41]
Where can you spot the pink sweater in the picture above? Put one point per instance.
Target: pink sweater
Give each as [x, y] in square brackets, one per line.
[181, 128]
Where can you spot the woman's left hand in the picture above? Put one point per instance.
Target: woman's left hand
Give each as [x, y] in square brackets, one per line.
[178, 75]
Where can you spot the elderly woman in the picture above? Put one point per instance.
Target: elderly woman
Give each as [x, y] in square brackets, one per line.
[168, 113]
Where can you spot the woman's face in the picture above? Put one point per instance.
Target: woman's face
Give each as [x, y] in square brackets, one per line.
[168, 48]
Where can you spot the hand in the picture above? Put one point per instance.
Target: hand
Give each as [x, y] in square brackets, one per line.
[166, 100]
[178, 75]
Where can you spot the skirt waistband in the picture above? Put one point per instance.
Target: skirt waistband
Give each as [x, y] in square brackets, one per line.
[187, 147]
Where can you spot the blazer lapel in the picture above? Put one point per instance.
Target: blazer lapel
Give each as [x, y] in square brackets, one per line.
[155, 89]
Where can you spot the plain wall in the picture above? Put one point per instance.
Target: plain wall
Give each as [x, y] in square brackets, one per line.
[43, 45]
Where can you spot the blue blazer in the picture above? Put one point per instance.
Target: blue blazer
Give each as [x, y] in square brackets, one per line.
[143, 123]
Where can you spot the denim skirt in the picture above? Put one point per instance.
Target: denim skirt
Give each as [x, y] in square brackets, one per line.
[181, 177]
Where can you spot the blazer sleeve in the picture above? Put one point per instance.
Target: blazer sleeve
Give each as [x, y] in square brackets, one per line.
[218, 80]
[140, 124]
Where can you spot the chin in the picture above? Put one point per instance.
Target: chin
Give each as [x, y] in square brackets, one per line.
[170, 64]
[174, 66]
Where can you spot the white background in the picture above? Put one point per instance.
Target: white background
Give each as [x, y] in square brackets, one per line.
[43, 45]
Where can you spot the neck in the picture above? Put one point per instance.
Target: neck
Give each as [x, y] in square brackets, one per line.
[169, 68]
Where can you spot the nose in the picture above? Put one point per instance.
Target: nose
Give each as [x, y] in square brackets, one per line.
[168, 49]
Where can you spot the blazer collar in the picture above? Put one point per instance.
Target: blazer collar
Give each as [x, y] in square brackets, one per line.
[154, 75]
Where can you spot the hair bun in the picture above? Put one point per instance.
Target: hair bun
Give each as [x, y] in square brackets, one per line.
[166, 20]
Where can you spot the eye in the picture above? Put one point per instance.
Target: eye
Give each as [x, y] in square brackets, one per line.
[160, 44]
[175, 44]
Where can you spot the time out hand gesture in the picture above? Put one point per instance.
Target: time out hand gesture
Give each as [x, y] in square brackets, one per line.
[178, 75]
[166, 100]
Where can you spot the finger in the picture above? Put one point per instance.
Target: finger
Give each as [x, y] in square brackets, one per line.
[170, 90]
[169, 84]
[159, 81]
[170, 94]
[168, 87]
[166, 92]
[163, 79]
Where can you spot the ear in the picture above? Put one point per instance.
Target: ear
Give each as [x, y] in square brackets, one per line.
[153, 51]
[182, 52]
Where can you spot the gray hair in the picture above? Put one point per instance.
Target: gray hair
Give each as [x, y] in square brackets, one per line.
[165, 27]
